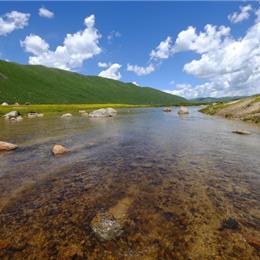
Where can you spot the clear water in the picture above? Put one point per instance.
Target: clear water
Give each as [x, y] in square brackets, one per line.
[171, 180]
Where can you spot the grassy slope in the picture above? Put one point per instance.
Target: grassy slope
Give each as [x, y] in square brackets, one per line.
[42, 85]
[246, 109]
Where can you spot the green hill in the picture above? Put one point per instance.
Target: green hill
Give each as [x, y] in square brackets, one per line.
[42, 85]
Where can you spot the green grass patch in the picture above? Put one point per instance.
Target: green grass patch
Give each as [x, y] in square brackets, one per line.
[212, 109]
[61, 108]
[257, 99]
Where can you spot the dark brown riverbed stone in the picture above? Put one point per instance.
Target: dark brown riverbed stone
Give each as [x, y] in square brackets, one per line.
[229, 223]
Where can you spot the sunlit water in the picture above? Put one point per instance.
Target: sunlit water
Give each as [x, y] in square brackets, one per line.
[173, 180]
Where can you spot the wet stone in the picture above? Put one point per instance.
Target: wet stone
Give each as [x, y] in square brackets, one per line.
[229, 223]
[106, 227]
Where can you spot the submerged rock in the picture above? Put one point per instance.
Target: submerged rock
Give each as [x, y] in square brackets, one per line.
[67, 115]
[103, 112]
[34, 114]
[106, 227]
[241, 132]
[183, 110]
[58, 149]
[167, 109]
[4, 146]
[229, 223]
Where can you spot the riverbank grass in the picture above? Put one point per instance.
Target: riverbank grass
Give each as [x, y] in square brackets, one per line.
[61, 108]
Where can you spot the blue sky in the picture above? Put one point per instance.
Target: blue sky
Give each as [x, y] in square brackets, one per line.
[135, 29]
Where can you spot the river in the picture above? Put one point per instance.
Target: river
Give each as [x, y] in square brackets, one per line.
[172, 179]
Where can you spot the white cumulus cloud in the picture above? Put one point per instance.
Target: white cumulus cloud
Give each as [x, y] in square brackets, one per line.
[230, 69]
[163, 50]
[13, 21]
[135, 83]
[76, 48]
[209, 39]
[238, 17]
[35, 44]
[112, 72]
[44, 12]
[138, 70]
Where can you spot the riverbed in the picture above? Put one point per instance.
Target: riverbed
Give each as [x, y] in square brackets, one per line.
[173, 180]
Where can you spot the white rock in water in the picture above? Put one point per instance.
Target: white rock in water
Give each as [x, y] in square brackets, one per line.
[111, 111]
[66, 115]
[4, 104]
[241, 132]
[58, 149]
[4, 146]
[167, 109]
[19, 118]
[84, 114]
[106, 227]
[103, 112]
[34, 114]
[183, 110]
[82, 111]
[11, 114]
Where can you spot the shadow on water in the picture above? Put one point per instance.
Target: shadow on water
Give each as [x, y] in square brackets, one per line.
[168, 181]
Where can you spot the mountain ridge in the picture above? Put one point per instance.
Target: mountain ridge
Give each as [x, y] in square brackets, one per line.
[38, 84]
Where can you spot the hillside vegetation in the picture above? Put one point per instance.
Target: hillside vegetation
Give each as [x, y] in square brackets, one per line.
[246, 109]
[42, 85]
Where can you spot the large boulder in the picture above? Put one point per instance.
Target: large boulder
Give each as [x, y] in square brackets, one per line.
[67, 115]
[103, 112]
[58, 149]
[4, 104]
[183, 110]
[4, 146]
[13, 116]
